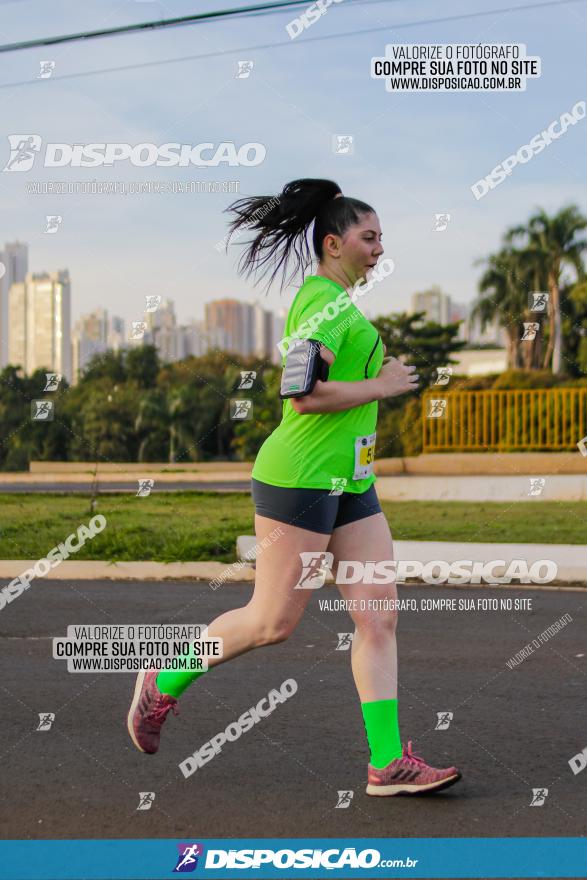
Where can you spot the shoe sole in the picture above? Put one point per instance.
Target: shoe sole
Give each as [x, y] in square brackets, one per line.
[133, 706]
[390, 790]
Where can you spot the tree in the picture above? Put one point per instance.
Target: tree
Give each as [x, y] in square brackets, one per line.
[106, 365]
[425, 344]
[143, 365]
[574, 309]
[553, 242]
[510, 276]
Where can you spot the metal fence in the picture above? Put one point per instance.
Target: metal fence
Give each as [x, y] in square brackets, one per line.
[533, 419]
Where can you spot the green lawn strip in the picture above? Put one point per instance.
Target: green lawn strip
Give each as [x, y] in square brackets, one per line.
[198, 526]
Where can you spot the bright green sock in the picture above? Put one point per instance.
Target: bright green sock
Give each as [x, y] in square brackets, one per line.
[381, 726]
[176, 681]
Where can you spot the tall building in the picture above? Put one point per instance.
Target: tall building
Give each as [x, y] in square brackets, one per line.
[460, 312]
[263, 341]
[94, 334]
[492, 334]
[164, 332]
[39, 315]
[278, 328]
[15, 259]
[89, 337]
[116, 337]
[434, 303]
[195, 341]
[236, 319]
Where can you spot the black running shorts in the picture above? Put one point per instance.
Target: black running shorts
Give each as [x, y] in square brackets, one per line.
[313, 509]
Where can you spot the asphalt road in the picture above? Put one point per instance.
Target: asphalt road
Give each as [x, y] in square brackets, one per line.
[512, 730]
[86, 488]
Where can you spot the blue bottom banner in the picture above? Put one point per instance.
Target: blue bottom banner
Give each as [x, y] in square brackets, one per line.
[367, 857]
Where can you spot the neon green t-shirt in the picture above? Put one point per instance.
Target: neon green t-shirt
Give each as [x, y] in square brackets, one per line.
[312, 451]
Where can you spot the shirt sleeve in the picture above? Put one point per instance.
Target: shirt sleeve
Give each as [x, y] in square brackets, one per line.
[327, 318]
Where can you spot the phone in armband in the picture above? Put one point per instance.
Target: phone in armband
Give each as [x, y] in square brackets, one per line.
[303, 367]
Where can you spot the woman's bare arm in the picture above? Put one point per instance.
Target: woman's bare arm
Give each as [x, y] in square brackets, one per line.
[393, 379]
[336, 396]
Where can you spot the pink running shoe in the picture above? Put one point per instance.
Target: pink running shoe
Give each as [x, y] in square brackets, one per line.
[148, 711]
[409, 775]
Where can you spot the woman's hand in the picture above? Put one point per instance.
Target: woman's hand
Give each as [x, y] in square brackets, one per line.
[396, 378]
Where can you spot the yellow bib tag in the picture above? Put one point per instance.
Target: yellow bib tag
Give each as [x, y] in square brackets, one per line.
[364, 456]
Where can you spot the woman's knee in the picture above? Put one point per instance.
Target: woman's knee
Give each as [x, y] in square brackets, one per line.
[376, 624]
[270, 630]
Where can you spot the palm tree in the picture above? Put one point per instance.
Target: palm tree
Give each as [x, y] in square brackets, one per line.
[165, 417]
[503, 297]
[552, 243]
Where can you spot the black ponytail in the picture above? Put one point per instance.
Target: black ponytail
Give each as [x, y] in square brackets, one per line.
[283, 222]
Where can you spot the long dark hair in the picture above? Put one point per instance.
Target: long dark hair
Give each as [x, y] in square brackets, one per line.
[283, 222]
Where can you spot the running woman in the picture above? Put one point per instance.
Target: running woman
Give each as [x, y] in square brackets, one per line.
[326, 440]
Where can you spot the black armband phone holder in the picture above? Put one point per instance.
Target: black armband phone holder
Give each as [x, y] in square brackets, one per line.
[303, 367]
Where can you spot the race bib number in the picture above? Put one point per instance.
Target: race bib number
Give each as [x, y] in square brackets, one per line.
[364, 456]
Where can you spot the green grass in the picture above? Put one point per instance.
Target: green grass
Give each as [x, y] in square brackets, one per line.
[193, 526]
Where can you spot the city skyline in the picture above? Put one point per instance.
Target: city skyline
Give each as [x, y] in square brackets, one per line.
[118, 247]
[41, 333]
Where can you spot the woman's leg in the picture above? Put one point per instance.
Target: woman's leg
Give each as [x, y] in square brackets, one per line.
[374, 647]
[275, 607]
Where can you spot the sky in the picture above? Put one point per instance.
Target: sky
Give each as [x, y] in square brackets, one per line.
[415, 154]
